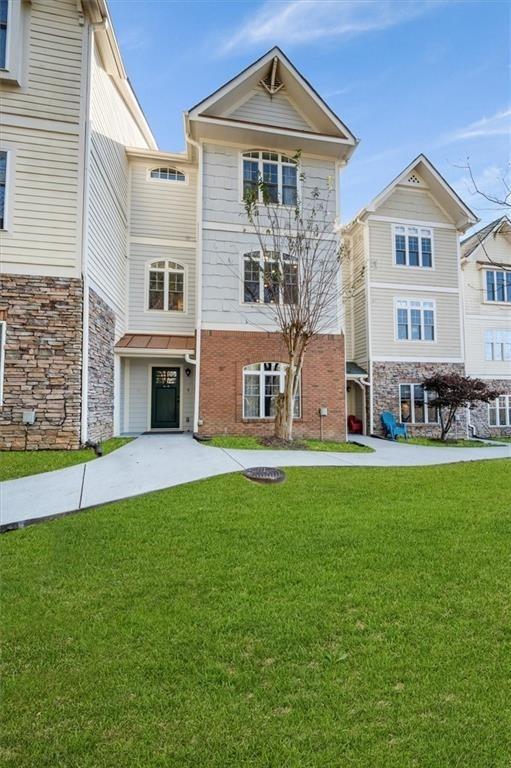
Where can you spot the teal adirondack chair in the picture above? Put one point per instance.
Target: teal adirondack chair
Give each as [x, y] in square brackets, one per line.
[393, 429]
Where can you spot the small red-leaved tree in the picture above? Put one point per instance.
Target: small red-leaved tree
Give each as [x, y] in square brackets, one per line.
[450, 391]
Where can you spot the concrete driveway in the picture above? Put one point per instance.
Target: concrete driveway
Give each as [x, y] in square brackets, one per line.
[152, 462]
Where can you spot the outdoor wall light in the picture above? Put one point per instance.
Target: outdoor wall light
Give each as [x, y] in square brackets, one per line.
[188, 371]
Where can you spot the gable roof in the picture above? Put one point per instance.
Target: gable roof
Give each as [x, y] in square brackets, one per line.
[469, 245]
[274, 63]
[449, 200]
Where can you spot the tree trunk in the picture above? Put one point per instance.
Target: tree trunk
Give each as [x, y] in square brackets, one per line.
[284, 403]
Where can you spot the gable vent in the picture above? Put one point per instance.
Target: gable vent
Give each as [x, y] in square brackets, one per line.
[272, 82]
[413, 179]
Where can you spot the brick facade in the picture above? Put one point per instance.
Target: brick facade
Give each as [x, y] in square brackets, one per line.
[100, 413]
[385, 391]
[479, 414]
[43, 354]
[223, 357]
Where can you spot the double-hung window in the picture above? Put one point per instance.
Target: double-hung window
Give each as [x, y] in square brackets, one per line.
[413, 246]
[3, 189]
[497, 345]
[499, 412]
[269, 177]
[262, 382]
[498, 285]
[414, 405]
[166, 286]
[415, 320]
[269, 278]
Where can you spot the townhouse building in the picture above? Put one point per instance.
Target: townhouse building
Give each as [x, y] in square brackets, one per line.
[127, 299]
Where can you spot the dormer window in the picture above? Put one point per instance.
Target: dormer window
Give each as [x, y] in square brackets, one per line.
[167, 174]
[272, 172]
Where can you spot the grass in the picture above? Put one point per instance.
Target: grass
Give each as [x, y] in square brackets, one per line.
[347, 617]
[22, 463]
[255, 443]
[449, 443]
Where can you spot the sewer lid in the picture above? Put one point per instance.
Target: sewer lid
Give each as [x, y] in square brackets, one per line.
[265, 474]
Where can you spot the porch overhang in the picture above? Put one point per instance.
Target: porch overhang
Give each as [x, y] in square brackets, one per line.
[155, 345]
[354, 371]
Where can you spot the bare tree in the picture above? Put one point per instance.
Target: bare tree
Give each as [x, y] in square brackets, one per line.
[300, 261]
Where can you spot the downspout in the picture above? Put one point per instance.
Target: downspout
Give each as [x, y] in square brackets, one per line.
[198, 279]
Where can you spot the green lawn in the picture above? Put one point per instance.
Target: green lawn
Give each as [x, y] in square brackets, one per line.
[22, 463]
[254, 443]
[345, 618]
[449, 443]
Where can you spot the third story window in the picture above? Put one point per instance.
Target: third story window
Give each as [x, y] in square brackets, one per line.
[273, 172]
[415, 320]
[498, 285]
[166, 286]
[413, 246]
[167, 174]
[4, 20]
[269, 278]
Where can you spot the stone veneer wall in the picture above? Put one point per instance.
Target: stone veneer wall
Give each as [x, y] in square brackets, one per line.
[385, 390]
[225, 353]
[479, 414]
[100, 414]
[43, 354]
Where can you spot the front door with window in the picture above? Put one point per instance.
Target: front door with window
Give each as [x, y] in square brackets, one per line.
[165, 398]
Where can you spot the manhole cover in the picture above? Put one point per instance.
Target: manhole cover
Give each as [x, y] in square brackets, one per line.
[265, 474]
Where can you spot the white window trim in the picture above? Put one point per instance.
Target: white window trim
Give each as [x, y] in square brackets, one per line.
[183, 183]
[279, 181]
[494, 344]
[3, 333]
[165, 312]
[9, 185]
[412, 384]
[256, 304]
[435, 323]
[408, 226]
[507, 400]
[261, 375]
[14, 43]
[486, 300]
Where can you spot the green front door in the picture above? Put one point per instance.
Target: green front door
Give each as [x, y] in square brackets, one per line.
[165, 398]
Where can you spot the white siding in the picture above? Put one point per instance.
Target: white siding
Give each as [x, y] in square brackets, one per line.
[140, 319]
[112, 128]
[270, 110]
[135, 398]
[356, 298]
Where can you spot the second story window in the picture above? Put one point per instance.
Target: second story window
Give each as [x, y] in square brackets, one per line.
[269, 278]
[415, 320]
[167, 174]
[413, 247]
[4, 20]
[498, 285]
[166, 286]
[497, 345]
[3, 189]
[277, 172]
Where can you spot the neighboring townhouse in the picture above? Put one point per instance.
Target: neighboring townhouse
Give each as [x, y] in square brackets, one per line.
[404, 321]
[486, 281]
[128, 303]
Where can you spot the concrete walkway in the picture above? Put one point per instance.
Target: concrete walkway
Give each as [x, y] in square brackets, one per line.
[152, 462]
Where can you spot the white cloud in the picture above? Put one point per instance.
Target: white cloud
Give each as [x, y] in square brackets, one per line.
[307, 21]
[498, 124]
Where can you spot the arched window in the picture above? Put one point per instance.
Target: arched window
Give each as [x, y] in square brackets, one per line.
[277, 171]
[166, 286]
[167, 174]
[261, 383]
[269, 278]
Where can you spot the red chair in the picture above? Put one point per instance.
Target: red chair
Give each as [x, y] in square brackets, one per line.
[355, 426]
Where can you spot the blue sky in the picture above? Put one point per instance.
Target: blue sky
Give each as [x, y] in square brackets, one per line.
[406, 77]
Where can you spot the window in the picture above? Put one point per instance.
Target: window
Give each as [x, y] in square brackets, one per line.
[166, 286]
[497, 345]
[167, 174]
[278, 172]
[3, 329]
[269, 279]
[3, 190]
[4, 20]
[499, 412]
[415, 320]
[413, 247]
[261, 383]
[498, 285]
[414, 407]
